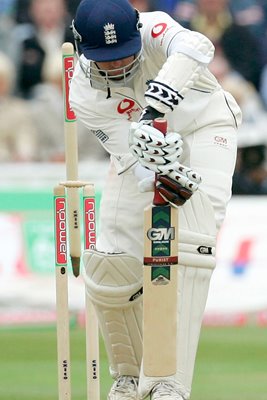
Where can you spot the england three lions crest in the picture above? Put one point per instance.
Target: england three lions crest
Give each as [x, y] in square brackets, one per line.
[110, 33]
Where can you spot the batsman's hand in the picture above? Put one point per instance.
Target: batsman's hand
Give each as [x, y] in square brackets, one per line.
[153, 150]
[179, 185]
[176, 187]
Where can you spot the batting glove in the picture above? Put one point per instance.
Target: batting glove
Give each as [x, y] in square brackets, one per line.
[179, 185]
[176, 187]
[153, 150]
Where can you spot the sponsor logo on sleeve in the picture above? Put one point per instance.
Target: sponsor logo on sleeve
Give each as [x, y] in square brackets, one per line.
[158, 29]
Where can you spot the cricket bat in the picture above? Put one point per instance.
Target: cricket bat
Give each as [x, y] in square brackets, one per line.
[160, 284]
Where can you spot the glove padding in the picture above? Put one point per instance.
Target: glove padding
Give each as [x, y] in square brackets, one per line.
[176, 187]
[153, 150]
[172, 191]
[186, 177]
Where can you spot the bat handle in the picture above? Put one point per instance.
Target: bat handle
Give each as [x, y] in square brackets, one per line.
[161, 125]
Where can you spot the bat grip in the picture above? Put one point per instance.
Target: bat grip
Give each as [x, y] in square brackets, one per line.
[161, 125]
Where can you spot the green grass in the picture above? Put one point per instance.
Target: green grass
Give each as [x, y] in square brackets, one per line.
[28, 365]
[231, 365]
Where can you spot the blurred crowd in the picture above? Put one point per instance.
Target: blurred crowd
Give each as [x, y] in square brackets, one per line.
[31, 114]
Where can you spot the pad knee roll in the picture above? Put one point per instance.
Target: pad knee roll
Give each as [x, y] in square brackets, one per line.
[114, 285]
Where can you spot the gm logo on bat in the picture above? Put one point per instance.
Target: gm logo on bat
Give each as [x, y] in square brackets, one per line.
[160, 234]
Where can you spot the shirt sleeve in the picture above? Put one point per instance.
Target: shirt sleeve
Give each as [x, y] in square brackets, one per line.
[159, 31]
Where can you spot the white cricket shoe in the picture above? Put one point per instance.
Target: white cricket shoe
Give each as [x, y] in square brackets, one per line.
[124, 388]
[165, 391]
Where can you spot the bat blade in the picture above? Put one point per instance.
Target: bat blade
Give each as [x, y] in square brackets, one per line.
[160, 289]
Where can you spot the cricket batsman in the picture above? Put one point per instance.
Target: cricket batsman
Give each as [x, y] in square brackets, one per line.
[132, 68]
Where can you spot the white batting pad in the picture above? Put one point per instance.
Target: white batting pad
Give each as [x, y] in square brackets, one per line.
[114, 284]
[197, 239]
